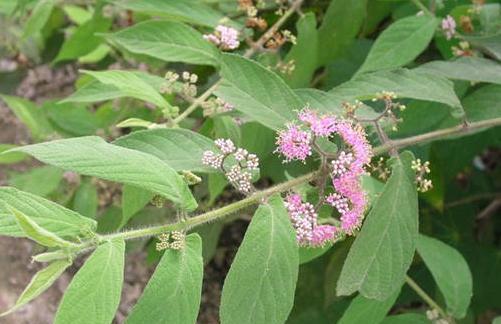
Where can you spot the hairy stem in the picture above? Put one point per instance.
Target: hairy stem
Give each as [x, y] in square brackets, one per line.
[433, 304]
[257, 46]
[422, 7]
[259, 196]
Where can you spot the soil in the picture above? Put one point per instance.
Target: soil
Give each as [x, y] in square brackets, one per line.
[16, 268]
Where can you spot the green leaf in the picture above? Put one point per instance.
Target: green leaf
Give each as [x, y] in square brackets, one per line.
[33, 117]
[174, 291]
[383, 251]
[98, 91]
[405, 83]
[40, 181]
[491, 44]
[86, 200]
[37, 233]
[226, 127]
[484, 103]
[191, 11]
[72, 119]
[92, 156]
[42, 280]
[259, 287]
[133, 200]
[456, 286]
[361, 309]
[182, 149]
[400, 43]
[210, 234]
[257, 92]
[47, 214]
[38, 18]
[307, 254]
[168, 41]
[77, 14]
[340, 26]
[96, 55]
[474, 69]
[406, 319]
[10, 158]
[135, 122]
[304, 53]
[84, 39]
[130, 84]
[94, 293]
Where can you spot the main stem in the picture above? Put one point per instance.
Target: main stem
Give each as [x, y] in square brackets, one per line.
[433, 304]
[257, 46]
[261, 195]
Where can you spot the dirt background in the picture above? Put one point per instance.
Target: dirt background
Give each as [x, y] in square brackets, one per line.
[16, 268]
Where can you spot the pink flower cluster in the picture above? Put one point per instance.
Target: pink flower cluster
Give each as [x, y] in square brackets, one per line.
[224, 37]
[304, 220]
[295, 143]
[449, 26]
[239, 174]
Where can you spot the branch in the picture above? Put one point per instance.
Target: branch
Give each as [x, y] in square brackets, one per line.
[433, 304]
[259, 196]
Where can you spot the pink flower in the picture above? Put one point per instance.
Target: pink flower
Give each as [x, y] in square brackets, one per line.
[224, 37]
[303, 218]
[323, 234]
[294, 143]
[322, 126]
[449, 26]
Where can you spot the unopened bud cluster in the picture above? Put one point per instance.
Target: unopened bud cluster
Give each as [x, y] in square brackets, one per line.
[215, 106]
[422, 169]
[388, 97]
[280, 38]
[240, 173]
[187, 87]
[286, 67]
[174, 240]
[434, 316]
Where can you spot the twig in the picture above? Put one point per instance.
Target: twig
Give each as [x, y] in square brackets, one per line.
[433, 304]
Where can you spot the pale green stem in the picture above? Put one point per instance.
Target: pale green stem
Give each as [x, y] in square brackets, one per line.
[433, 304]
[422, 7]
[260, 195]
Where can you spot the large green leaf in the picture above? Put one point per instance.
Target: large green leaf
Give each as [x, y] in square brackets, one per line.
[133, 200]
[182, 149]
[94, 293]
[92, 156]
[490, 44]
[45, 213]
[340, 26]
[400, 43]
[382, 253]
[456, 285]
[259, 287]
[10, 158]
[191, 11]
[84, 39]
[167, 40]
[32, 116]
[304, 53]
[475, 69]
[42, 280]
[483, 103]
[257, 92]
[98, 91]
[361, 309]
[37, 233]
[86, 200]
[131, 85]
[174, 291]
[38, 17]
[405, 83]
[41, 181]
